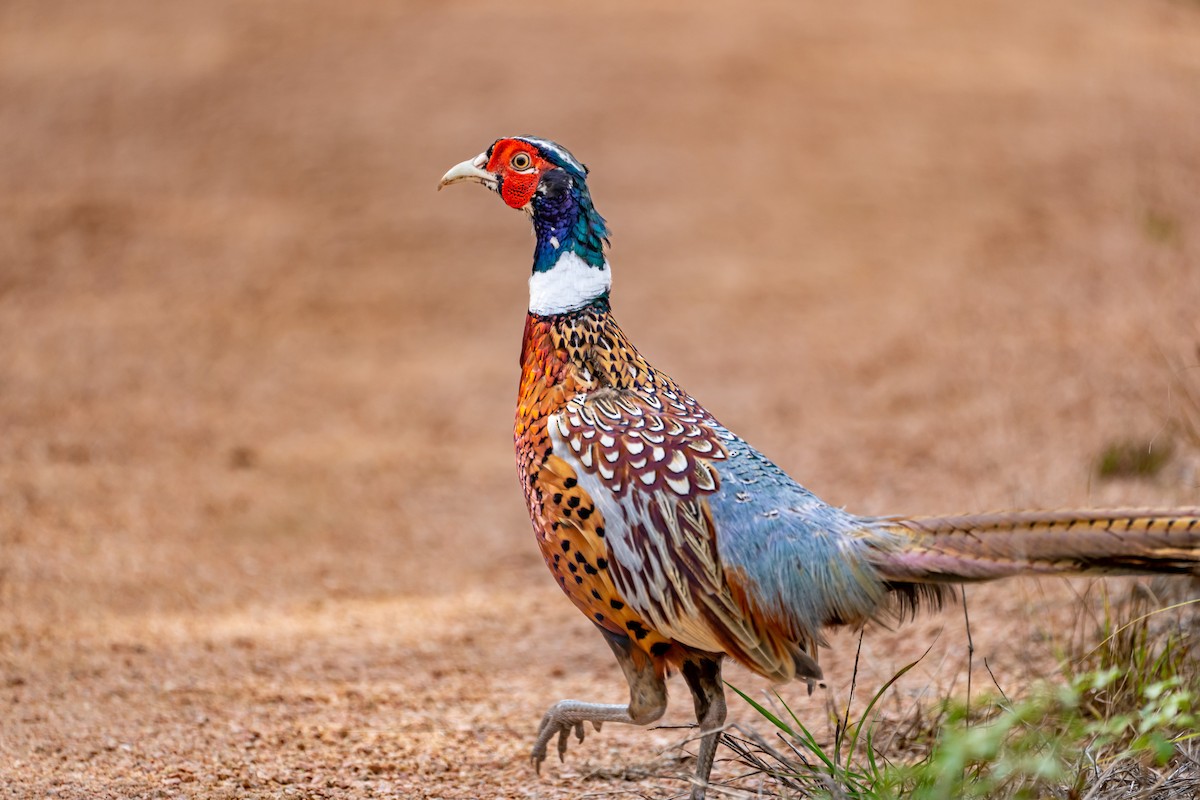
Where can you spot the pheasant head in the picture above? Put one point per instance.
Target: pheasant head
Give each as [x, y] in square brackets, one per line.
[543, 179]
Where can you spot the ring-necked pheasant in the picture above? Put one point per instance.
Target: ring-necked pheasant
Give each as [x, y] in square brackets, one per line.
[684, 544]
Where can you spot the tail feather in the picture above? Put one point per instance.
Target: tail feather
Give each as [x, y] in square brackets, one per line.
[980, 547]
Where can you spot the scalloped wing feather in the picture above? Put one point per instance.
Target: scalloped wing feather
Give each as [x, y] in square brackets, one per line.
[697, 562]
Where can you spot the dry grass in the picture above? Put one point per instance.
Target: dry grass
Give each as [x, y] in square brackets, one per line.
[1118, 723]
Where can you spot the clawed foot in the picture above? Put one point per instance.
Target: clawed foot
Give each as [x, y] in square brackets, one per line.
[561, 719]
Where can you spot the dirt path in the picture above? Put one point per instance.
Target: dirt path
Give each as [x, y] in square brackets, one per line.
[259, 530]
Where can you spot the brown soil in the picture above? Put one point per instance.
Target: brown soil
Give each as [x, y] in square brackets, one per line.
[260, 534]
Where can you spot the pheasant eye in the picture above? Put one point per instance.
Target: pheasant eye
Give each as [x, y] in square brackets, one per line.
[521, 161]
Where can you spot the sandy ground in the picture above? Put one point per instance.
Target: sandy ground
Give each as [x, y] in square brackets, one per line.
[260, 534]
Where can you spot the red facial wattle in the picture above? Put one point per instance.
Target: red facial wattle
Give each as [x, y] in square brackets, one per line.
[517, 187]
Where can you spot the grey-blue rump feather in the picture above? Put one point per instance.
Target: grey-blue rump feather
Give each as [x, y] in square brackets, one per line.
[804, 560]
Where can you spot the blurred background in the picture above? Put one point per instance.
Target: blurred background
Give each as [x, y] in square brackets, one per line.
[259, 525]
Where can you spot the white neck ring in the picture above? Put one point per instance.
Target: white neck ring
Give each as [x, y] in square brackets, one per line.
[569, 285]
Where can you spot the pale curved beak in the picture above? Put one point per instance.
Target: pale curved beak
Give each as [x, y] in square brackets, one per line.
[473, 171]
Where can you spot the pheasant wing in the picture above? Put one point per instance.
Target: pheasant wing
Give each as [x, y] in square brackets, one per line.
[656, 476]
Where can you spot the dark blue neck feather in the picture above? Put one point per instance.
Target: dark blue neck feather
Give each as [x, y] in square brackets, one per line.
[563, 214]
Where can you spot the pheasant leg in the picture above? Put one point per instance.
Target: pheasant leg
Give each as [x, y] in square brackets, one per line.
[703, 676]
[647, 702]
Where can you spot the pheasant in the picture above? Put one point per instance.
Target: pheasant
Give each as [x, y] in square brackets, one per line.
[681, 542]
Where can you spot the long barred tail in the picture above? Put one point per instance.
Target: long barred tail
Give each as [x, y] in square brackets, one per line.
[980, 547]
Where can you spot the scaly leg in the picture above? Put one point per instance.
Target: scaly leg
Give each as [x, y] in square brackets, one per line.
[703, 676]
[647, 701]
